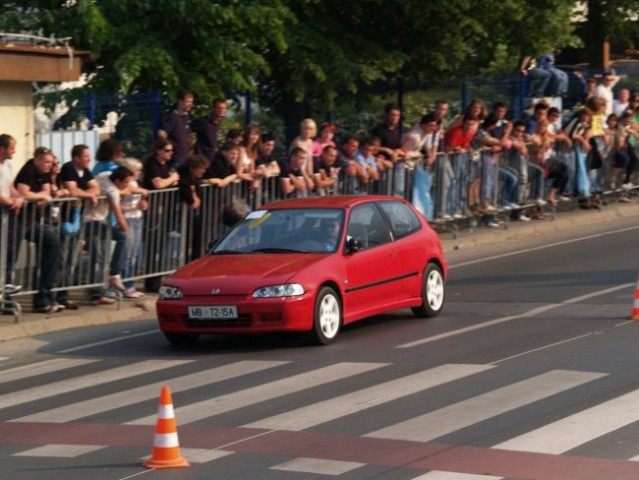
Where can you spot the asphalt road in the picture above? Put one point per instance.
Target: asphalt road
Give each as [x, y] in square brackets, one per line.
[530, 372]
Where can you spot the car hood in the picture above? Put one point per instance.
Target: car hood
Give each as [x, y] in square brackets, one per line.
[240, 274]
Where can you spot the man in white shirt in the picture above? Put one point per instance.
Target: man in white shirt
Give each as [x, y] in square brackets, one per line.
[621, 103]
[604, 90]
[10, 199]
[422, 139]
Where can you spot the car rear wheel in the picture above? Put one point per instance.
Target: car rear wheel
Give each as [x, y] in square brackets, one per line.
[328, 316]
[433, 292]
[181, 339]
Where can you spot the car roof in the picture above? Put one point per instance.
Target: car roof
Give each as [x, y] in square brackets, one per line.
[337, 201]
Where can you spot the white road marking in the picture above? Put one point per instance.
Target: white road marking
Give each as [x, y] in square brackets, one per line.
[542, 247]
[318, 466]
[338, 407]
[463, 414]
[528, 314]
[582, 427]
[41, 368]
[106, 342]
[439, 475]
[75, 411]
[59, 451]
[77, 383]
[262, 393]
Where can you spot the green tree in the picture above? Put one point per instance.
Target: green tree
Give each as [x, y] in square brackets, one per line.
[209, 47]
[302, 56]
[607, 21]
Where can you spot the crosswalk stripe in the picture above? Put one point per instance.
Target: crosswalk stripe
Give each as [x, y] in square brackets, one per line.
[261, 393]
[317, 466]
[439, 475]
[482, 407]
[84, 381]
[325, 411]
[582, 427]
[41, 368]
[86, 408]
[59, 451]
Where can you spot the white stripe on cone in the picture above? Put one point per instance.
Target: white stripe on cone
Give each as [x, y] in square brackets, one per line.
[166, 411]
[166, 440]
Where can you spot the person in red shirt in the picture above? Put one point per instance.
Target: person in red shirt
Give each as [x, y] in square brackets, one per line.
[454, 198]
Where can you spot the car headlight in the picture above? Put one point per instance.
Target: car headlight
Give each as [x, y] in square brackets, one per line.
[170, 293]
[285, 290]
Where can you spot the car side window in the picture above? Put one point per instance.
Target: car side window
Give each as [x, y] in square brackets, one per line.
[403, 219]
[367, 224]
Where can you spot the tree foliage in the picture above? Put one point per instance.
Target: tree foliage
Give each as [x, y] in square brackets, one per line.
[305, 55]
[608, 21]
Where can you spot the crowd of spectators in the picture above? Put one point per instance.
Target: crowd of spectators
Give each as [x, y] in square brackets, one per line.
[485, 164]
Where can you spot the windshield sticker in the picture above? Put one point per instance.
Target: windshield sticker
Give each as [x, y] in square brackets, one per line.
[256, 214]
[258, 219]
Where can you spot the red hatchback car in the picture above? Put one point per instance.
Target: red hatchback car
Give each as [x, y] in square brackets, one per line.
[308, 265]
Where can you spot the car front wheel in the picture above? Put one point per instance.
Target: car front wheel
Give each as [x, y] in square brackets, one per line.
[328, 316]
[433, 292]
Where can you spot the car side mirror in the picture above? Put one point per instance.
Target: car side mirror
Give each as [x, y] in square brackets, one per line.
[354, 245]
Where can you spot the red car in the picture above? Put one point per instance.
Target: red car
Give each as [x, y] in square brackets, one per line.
[308, 265]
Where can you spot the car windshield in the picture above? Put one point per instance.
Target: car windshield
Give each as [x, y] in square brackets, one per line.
[308, 230]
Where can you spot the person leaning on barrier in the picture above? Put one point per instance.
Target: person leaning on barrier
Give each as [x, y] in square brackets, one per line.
[33, 183]
[157, 175]
[247, 169]
[78, 180]
[324, 170]
[10, 199]
[113, 185]
[308, 130]
[190, 189]
[348, 164]
[133, 205]
[294, 179]
[422, 140]
[265, 159]
[367, 162]
[223, 169]
[190, 182]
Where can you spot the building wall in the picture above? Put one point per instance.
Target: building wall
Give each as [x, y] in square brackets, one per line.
[16, 118]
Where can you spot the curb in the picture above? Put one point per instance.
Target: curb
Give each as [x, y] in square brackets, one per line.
[88, 316]
[520, 230]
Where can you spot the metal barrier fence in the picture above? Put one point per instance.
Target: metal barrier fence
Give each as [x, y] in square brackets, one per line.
[63, 246]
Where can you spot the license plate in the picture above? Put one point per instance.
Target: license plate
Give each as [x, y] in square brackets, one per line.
[213, 313]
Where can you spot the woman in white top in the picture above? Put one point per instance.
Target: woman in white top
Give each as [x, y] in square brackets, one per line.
[308, 130]
[249, 149]
[133, 203]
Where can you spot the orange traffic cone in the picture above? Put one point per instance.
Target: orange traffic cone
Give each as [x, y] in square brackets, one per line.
[166, 448]
[635, 306]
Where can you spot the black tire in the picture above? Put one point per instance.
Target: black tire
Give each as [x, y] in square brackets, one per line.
[181, 339]
[433, 293]
[327, 318]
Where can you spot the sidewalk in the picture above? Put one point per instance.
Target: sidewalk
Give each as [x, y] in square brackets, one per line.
[88, 315]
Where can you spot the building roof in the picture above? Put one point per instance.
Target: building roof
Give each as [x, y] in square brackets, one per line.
[22, 62]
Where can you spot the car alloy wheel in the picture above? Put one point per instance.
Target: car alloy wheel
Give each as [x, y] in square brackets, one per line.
[328, 316]
[433, 292]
